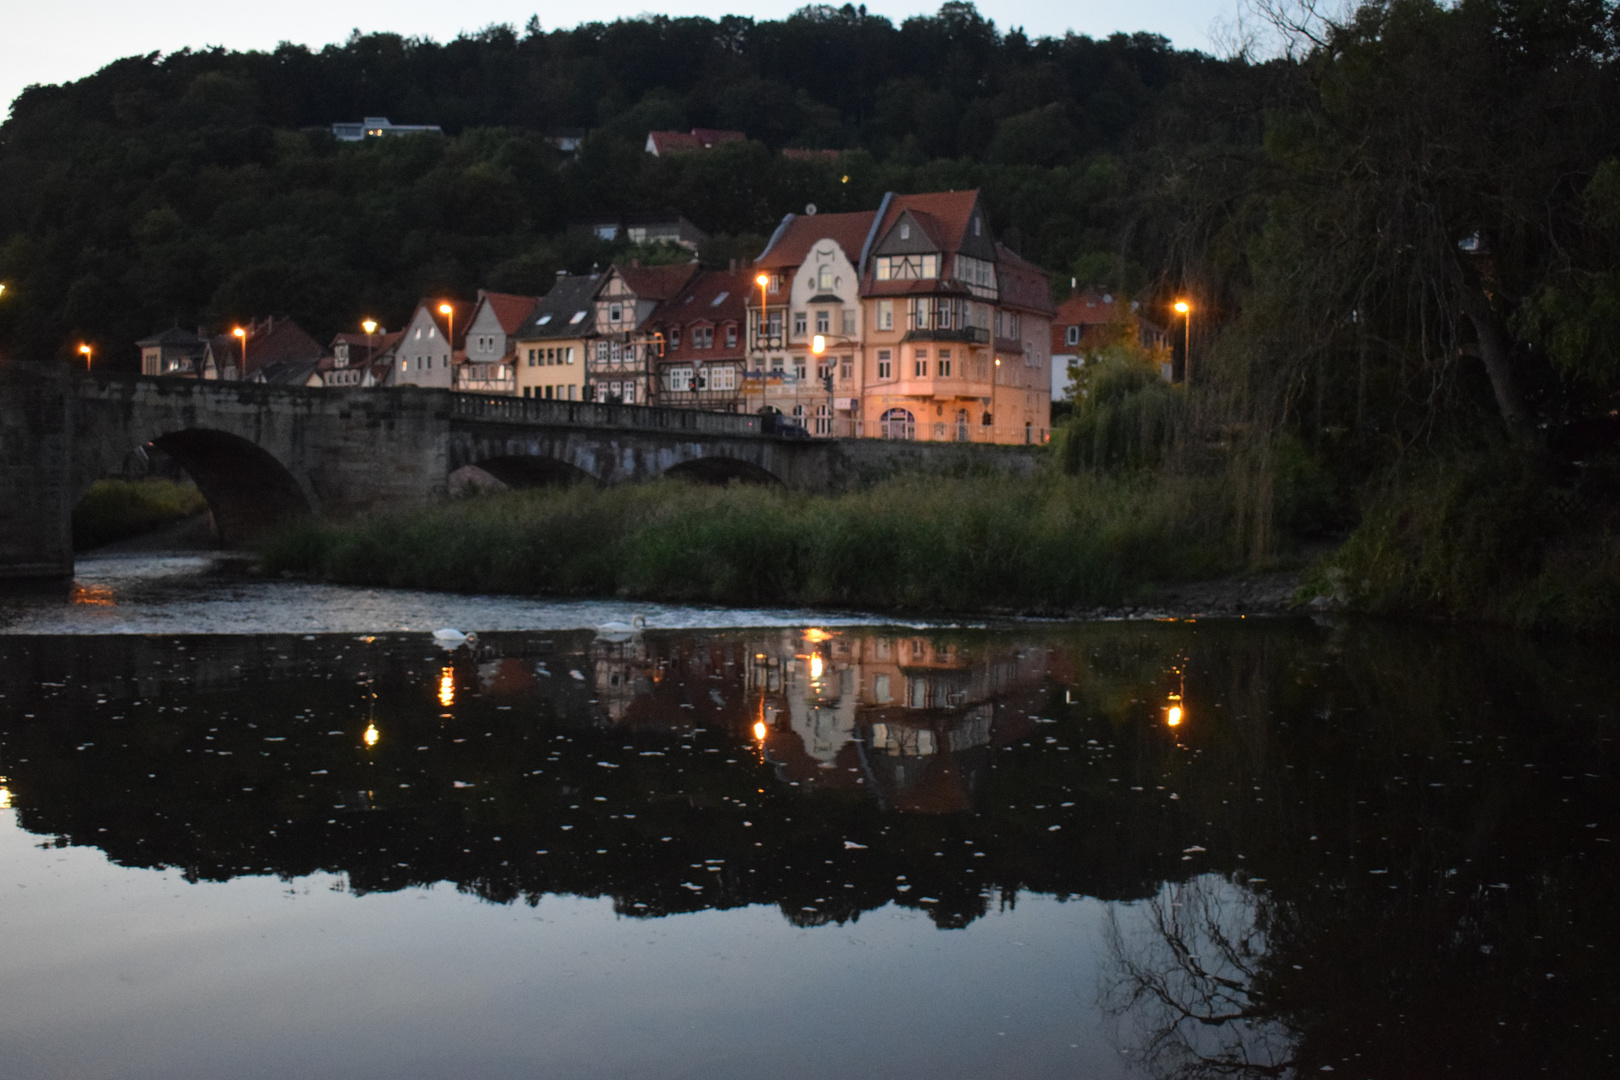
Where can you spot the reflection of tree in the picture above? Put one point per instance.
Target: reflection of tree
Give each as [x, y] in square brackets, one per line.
[1186, 964]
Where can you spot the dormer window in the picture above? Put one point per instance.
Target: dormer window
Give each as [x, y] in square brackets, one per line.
[615, 312]
[978, 225]
[675, 337]
[579, 316]
[905, 231]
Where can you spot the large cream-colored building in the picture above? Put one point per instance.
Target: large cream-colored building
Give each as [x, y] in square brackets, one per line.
[929, 328]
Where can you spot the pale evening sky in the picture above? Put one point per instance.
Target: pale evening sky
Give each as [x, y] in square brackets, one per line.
[62, 40]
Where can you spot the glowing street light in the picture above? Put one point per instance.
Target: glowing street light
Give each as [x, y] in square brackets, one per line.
[84, 351]
[818, 344]
[763, 281]
[449, 314]
[1184, 309]
[243, 334]
[370, 327]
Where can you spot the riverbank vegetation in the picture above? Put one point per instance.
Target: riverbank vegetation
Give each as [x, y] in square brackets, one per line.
[1044, 544]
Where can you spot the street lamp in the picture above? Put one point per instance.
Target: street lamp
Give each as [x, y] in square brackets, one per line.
[370, 327]
[1185, 310]
[763, 281]
[243, 334]
[449, 314]
[84, 351]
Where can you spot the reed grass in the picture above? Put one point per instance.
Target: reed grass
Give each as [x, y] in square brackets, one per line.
[1042, 544]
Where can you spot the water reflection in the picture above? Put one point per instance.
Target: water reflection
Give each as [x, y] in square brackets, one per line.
[1346, 860]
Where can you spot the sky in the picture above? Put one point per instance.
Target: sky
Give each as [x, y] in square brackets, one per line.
[63, 40]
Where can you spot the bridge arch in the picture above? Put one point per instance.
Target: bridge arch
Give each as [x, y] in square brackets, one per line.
[721, 470]
[533, 470]
[248, 490]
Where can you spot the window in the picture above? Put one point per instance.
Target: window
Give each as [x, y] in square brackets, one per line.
[720, 298]
[532, 354]
[885, 366]
[570, 351]
[731, 335]
[579, 316]
[675, 337]
[702, 337]
[680, 379]
[615, 312]
[898, 424]
[823, 369]
[944, 363]
[572, 390]
[629, 393]
[846, 370]
[885, 315]
[905, 232]
[976, 271]
[823, 322]
[601, 352]
[849, 321]
[823, 420]
[615, 352]
[798, 366]
[907, 267]
[919, 364]
[799, 322]
[824, 278]
[1072, 335]
[549, 392]
[722, 378]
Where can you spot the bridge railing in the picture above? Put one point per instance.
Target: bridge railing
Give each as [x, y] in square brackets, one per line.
[601, 415]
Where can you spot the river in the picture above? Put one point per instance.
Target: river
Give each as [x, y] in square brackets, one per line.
[272, 828]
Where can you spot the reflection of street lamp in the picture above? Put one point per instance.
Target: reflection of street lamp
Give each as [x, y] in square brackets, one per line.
[1184, 309]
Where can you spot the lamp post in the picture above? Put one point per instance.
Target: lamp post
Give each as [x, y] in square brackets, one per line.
[84, 351]
[763, 281]
[449, 314]
[1185, 310]
[370, 327]
[243, 334]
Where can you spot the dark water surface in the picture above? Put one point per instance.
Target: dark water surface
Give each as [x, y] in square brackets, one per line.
[809, 851]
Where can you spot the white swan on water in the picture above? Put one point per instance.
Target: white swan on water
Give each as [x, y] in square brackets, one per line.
[451, 639]
[615, 630]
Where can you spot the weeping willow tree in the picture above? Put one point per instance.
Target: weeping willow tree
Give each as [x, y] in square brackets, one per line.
[1403, 238]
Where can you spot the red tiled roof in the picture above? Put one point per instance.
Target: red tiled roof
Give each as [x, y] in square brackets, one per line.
[510, 310]
[790, 246]
[270, 341]
[666, 142]
[948, 213]
[696, 304]
[657, 282]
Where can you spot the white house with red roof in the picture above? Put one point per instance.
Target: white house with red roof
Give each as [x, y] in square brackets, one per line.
[433, 339]
[489, 364]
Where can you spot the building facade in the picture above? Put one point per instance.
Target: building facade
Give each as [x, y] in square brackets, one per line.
[551, 346]
[700, 340]
[488, 364]
[624, 364]
[427, 355]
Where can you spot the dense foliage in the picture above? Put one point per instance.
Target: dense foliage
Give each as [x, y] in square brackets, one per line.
[206, 185]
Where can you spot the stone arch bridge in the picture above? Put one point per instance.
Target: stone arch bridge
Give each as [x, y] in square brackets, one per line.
[260, 454]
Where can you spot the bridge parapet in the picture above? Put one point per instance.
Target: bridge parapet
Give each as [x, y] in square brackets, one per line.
[511, 410]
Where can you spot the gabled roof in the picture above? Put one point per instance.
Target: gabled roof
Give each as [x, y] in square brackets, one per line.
[462, 310]
[714, 297]
[269, 342]
[666, 142]
[567, 311]
[173, 338]
[947, 214]
[510, 310]
[801, 232]
[656, 282]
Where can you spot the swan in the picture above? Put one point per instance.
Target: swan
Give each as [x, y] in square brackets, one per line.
[450, 638]
[615, 630]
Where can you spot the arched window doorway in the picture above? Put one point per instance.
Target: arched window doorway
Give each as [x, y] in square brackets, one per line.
[961, 425]
[899, 424]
